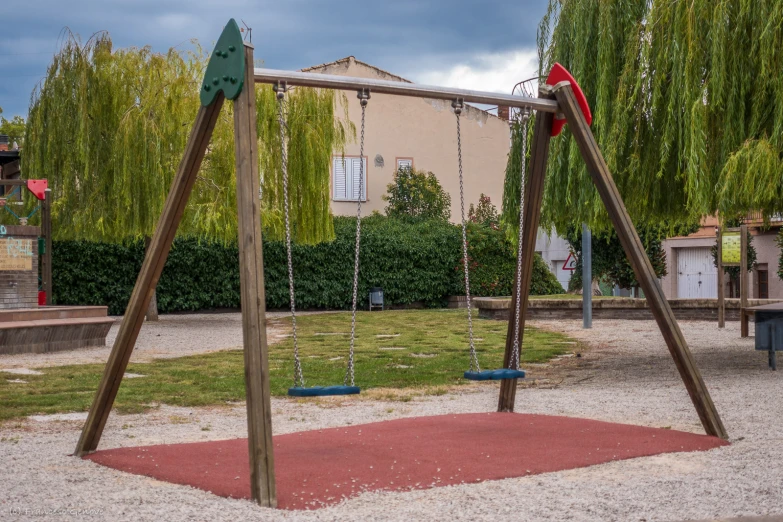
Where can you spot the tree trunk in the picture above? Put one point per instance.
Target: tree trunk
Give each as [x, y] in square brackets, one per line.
[152, 309]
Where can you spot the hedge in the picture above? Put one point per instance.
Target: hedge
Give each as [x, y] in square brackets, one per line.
[412, 262]
[493, 263]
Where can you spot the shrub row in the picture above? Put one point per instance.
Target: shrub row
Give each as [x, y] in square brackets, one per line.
[412, 262]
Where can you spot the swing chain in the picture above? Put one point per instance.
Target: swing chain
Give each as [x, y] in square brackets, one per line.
[522, 172]
[364, 96]
[280, 89]
[458, 105]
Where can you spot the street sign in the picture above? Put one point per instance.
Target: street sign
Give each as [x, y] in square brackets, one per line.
[731, 248]
[570, 262]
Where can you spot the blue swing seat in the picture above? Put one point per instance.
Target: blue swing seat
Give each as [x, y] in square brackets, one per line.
[322, 391]
[495, 375]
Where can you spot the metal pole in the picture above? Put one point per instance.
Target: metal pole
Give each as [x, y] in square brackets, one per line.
[587, 277]
[351, 83]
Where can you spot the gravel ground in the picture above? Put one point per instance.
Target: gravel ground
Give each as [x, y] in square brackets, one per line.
[175, 335]
[625, 375]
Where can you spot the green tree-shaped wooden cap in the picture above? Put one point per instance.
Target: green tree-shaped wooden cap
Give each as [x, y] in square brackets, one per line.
[226, 68]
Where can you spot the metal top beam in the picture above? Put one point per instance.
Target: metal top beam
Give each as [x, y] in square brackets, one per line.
[329, 81]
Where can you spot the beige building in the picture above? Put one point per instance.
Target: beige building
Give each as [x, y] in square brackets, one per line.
[692, 272]
[421, 133]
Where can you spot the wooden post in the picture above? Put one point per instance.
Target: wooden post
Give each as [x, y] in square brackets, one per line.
[721, 281]
[251, 279]
[743, 280]
[532, 208]
[46, 232]
[154, 260]
[152, 308]
[642, 267]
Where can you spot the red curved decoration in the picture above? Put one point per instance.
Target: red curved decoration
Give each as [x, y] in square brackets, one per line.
[38, 187]
[560, 74]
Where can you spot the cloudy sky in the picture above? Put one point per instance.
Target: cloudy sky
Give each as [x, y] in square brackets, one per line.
[488, 45]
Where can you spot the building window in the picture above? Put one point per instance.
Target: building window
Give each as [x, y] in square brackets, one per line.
[404, 163]
[763, 276]
[345, 178]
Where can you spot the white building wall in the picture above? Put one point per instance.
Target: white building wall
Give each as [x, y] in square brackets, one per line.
[767, 256]
[422, 132]
[554, 250]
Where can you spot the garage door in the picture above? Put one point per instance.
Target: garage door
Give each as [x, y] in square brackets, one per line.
[696, 273]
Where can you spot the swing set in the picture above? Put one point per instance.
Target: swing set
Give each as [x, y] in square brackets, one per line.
[230, 75]
[349, 387]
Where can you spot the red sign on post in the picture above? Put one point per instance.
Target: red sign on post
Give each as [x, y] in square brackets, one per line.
[570, 262]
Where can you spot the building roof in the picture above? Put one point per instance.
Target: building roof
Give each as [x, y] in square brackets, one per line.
[387, 76]
[351, 58]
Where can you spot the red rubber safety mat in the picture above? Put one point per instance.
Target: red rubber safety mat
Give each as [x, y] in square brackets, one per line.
[322, 467]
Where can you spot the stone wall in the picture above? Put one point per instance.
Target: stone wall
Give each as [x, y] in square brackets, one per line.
[614, 308]
[18, 266]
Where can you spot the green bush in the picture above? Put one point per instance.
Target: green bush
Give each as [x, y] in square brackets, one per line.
[416, 194]
[198, 275]
[410, 261]
[484, 213]
[413, 262]
[493, 263]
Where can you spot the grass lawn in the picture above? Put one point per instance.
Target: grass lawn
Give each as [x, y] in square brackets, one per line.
[420, 349]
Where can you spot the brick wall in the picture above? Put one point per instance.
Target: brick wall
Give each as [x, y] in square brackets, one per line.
[19, 287]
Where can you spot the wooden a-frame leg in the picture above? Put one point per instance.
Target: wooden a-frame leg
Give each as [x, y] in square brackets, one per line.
[534, 194]
[721, 284]
[154, 260]
[251, 278]
[642, 268]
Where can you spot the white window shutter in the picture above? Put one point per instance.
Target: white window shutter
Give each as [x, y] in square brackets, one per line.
[364, 180]
[340, 178]
[356, 172]
[354, 179]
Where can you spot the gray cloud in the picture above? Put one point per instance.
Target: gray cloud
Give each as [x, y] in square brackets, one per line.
[403, 36]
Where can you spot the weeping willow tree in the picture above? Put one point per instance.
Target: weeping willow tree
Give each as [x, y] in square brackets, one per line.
[687, 101]
[509, 218]
[108, 128]
[312, 134]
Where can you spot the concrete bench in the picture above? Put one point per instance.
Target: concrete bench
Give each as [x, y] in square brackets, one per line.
[53, 329]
